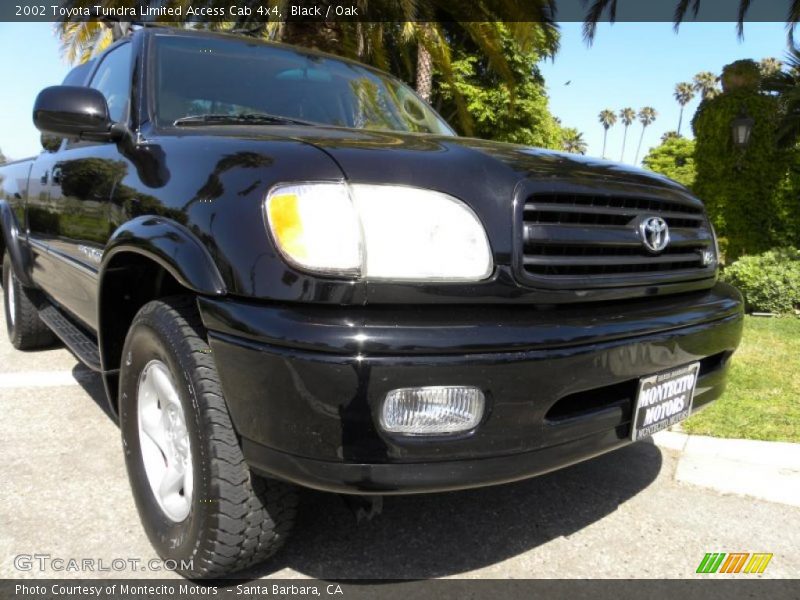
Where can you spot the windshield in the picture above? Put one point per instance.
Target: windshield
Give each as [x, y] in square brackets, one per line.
[218, 76]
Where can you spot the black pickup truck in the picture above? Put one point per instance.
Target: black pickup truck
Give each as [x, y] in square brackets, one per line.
[289, 271]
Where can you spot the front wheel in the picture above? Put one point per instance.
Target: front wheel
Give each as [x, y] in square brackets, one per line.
[199, 503]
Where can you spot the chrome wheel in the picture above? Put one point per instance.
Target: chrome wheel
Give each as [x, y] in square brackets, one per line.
[12, 299]
[164, 441]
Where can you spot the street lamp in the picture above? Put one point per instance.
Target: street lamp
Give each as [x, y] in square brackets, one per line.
[742, 127]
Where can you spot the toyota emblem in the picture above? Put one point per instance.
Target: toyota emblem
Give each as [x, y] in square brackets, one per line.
[655, 233]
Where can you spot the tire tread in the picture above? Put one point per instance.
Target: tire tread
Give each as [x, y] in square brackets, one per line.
[29, 332]
[250, 517]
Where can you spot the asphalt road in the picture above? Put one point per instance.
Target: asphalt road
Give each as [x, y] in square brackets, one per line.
[64, 493]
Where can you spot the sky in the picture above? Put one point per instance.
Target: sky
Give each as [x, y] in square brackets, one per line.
[30, 61]
[638, 64]
[629, 64]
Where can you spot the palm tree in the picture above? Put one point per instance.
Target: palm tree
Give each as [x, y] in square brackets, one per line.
[769, 66]
[607, 119]
[573, 141]
[669, 135]
[684, 92]
[706, 84]
[646, 116]
[626, 115]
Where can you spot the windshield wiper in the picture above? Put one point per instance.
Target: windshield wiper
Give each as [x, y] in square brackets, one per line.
[254, 118]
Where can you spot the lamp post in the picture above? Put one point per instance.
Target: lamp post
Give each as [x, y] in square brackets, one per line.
[741, 129]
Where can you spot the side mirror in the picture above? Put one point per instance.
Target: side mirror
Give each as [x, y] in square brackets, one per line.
[72, 112]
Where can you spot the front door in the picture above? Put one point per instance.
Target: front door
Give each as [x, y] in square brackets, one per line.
[68, 219]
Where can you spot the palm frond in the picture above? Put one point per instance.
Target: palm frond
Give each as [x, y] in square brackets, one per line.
[375, 45]
[525, 20]
[744, 6]
[595, 14]
[785, 84]
[682, 8]
[627, 116]
[792, 19]
[80, 40]
[607, 118]
[489, 39]
[436, 44]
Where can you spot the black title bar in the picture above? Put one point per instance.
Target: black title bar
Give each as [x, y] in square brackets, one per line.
[256, 11]
[449, 589]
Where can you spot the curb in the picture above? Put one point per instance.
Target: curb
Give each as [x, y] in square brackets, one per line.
[764, 470]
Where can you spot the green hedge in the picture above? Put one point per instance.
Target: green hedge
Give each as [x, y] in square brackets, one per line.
[770, 281]
[742, 188]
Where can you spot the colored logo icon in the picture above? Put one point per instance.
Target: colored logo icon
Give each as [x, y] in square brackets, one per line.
[734, 562]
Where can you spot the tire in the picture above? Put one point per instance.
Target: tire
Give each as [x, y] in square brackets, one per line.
[25, 329]
[232, 518]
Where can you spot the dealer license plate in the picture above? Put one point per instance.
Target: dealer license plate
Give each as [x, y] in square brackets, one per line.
[663, 400]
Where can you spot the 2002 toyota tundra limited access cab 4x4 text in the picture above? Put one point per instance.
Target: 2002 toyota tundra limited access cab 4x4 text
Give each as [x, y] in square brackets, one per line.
[289, 271]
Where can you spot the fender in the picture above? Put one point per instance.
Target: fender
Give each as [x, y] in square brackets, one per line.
[17, 251]
[172, 246]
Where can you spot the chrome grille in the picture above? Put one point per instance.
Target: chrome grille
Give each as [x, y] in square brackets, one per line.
[593, 240]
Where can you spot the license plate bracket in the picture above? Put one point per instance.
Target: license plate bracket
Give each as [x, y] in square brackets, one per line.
[663, 399]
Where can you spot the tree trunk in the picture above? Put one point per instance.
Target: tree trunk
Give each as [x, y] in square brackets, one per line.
[680, 121]
[424, 66]
[624, 137]
[639, 147]
[424, 63]
[605, 136]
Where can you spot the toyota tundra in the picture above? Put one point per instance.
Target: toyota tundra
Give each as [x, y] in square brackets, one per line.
[290, 272]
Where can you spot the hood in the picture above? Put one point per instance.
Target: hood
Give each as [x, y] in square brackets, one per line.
[424, 160]
[445, 162]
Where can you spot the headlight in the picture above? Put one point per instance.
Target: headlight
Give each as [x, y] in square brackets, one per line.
[378, 232]
[316, 227]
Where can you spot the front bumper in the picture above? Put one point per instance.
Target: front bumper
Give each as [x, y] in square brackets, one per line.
[304, 383]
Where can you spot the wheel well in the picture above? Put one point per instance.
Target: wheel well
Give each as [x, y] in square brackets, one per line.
[129, 282]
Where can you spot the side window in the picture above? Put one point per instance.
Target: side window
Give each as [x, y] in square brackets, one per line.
[113, 80]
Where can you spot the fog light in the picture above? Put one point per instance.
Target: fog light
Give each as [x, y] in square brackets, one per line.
[435, 410]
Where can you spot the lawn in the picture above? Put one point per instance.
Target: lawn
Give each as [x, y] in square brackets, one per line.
[762, 401]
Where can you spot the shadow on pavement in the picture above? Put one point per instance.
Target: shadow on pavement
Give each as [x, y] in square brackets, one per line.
[92, 384]
[437, 535]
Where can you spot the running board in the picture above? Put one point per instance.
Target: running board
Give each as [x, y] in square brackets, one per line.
[79, 343]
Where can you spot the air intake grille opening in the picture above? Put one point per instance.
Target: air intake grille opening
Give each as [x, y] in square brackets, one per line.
[594, 240]
[623, 395]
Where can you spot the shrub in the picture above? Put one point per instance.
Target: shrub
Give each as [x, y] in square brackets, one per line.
[770, 281]
[741, 75]
[741, 187]
[674, 158]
